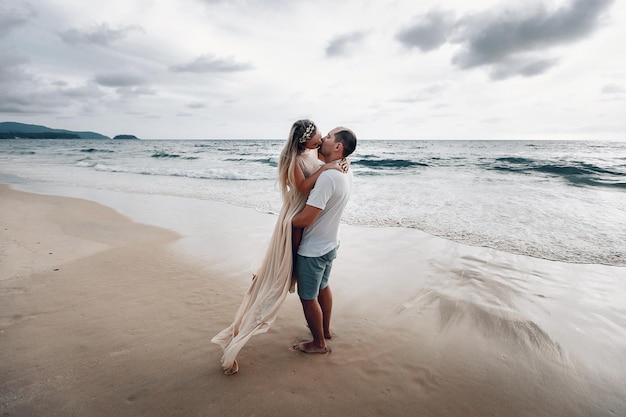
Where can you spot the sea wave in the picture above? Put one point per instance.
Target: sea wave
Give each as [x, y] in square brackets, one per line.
[575, 172]
[20, 152]
[162, 154]
[387, 163]
[269, 161]
[94, 150]
[207, 174]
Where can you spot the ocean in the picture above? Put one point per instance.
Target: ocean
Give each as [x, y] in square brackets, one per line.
[556, 200]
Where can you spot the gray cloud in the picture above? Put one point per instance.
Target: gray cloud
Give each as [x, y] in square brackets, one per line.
[11, 67]
[120, 79]
[37, 100]
[494, 38]
[508, 42]
[101, 35]
[10, 105]
[523, 67]
[23, 92]
[136, 91]
[15, 83]
[613, 89]
[33, 96]
[196, 105]
[343, 44]
[429, 31]
[11, 19]
[253, 4]
[425, 94]
[87, 91]
[210, 63]
[127, 85]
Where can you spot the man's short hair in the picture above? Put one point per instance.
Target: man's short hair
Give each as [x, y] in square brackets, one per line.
[347, 139]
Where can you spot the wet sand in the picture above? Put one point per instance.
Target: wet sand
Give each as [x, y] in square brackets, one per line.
[102, 316]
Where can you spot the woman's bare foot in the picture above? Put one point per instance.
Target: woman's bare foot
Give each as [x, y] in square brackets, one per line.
[310, 347]
[234, 368]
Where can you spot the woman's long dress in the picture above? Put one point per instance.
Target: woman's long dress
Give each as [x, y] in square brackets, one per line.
[273, 279]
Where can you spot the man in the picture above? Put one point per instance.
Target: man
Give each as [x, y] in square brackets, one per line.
[320, 219]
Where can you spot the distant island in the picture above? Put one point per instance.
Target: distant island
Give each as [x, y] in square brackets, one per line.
[38, 135]
[14, 130]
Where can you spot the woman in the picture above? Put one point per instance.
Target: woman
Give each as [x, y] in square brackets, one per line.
[298, 169]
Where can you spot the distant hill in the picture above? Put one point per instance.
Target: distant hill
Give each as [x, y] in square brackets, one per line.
[10, 130]
[125, 137]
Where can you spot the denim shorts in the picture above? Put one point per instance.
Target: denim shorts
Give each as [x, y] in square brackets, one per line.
[313, 273]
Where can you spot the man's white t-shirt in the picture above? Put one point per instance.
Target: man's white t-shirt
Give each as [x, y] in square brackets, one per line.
[331, 194]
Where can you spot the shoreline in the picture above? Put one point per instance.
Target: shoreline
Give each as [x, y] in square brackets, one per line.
[122, 327]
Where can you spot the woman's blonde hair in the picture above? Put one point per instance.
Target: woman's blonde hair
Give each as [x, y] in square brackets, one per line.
[301, 131]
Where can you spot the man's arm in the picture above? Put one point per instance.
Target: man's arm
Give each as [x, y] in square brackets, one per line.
[306, 217]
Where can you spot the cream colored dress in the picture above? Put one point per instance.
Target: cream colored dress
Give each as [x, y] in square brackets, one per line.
[273, 279]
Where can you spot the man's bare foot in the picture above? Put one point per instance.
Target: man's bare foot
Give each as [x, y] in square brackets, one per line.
[310, 347]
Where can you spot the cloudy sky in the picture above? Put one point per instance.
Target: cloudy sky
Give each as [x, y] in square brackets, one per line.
[401, 69]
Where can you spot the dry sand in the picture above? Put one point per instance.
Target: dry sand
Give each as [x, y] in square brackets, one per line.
[99, 316]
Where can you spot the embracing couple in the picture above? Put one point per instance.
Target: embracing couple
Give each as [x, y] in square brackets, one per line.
[315, 182]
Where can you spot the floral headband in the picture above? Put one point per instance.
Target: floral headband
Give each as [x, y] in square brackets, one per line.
[307, 133]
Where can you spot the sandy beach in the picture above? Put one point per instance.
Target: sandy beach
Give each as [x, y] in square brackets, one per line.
[101, 315]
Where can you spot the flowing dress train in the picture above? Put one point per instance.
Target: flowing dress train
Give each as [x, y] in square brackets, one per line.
[269, 288]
